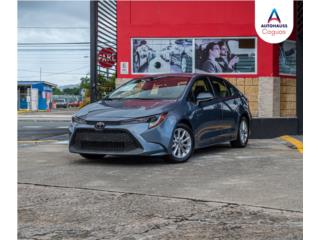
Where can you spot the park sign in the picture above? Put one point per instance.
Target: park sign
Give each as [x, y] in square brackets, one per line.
[107, 57]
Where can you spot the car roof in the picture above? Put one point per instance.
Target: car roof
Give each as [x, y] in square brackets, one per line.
[191, 75]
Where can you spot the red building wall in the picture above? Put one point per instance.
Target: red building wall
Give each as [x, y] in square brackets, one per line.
[191, 19]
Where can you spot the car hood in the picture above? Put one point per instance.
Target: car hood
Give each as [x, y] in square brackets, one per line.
[124, 109]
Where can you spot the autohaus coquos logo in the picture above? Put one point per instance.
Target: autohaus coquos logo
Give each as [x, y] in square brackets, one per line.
[276, 18]
[271, 26]
[274, 25]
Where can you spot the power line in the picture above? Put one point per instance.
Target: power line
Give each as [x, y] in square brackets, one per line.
[50, 76]
[39, 27]
[57, 49]
[51, 43]
[55, 73]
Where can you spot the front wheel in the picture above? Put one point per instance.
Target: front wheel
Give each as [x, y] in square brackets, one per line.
[92, 156]
[243, 134]
[182, 144]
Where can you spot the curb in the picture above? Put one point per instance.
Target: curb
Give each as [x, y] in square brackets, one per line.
[295, 142]
[23, 111]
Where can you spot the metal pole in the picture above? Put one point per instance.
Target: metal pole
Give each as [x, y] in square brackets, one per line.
[40, 75]
[299, 57]
[93, 49]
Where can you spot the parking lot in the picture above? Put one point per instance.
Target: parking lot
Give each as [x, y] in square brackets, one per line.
[221, 193]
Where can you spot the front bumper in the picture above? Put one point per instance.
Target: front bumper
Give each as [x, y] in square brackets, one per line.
[130, 139]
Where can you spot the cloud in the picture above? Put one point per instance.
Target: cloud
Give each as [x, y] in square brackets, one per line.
[48, 14]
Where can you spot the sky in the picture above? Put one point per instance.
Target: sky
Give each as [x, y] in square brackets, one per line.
[43, 22]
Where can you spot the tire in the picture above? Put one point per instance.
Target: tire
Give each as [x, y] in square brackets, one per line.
[186, 142]
[242, 135]
[92, 156]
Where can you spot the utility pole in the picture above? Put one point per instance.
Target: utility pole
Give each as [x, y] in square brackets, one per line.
[40, 74]
[93, 49]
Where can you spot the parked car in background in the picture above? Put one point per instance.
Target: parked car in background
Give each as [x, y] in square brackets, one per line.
[162, 115]
[61, 103]
[65, 101]
[74, 103]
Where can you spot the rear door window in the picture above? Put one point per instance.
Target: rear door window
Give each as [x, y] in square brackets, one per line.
[233, 91]
[199, 86]
[219, 88]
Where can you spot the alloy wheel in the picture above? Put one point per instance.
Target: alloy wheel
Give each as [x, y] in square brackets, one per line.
[182, 143]
[243, 131]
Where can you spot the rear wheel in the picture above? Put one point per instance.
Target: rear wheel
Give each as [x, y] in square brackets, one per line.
[243, 134]
[182, 144]
[92, 156]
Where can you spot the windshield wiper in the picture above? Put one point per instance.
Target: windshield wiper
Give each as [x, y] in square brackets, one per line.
[151, 98]
[111, 99]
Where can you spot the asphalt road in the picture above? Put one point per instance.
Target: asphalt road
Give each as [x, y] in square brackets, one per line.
[41, 130]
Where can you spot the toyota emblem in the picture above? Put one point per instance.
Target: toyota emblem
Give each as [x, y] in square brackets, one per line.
[100, 125]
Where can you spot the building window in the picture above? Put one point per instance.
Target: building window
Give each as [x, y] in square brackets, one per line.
[287, 57]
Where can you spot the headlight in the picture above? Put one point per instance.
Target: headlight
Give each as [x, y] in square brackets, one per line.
[157, 120]
[76, 119]
[153, 121]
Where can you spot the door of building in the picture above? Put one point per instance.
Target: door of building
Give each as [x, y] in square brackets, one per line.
[34, 99]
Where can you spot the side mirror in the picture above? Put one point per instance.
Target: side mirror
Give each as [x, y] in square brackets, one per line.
[106, 96]
[204, 96]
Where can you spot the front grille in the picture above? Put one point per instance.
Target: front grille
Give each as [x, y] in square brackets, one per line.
[107, 123]
[107, 140]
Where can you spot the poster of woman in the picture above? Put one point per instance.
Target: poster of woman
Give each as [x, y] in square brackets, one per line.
[213, 55]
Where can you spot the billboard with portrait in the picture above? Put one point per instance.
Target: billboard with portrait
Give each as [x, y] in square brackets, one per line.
[162, 55]
[225, 55]
[287, 57]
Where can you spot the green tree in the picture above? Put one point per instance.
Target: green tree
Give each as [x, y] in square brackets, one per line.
[56, 91]
[85, 84]
[104, 85]
[72, 91]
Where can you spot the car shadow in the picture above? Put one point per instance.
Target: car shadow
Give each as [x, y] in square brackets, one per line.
[121, 160]
[143, 160]
[222, 147]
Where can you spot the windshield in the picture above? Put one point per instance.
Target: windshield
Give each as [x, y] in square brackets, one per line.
[159, 88]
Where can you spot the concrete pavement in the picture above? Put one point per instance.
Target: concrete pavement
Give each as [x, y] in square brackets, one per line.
[266, 174]
[221, 193]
